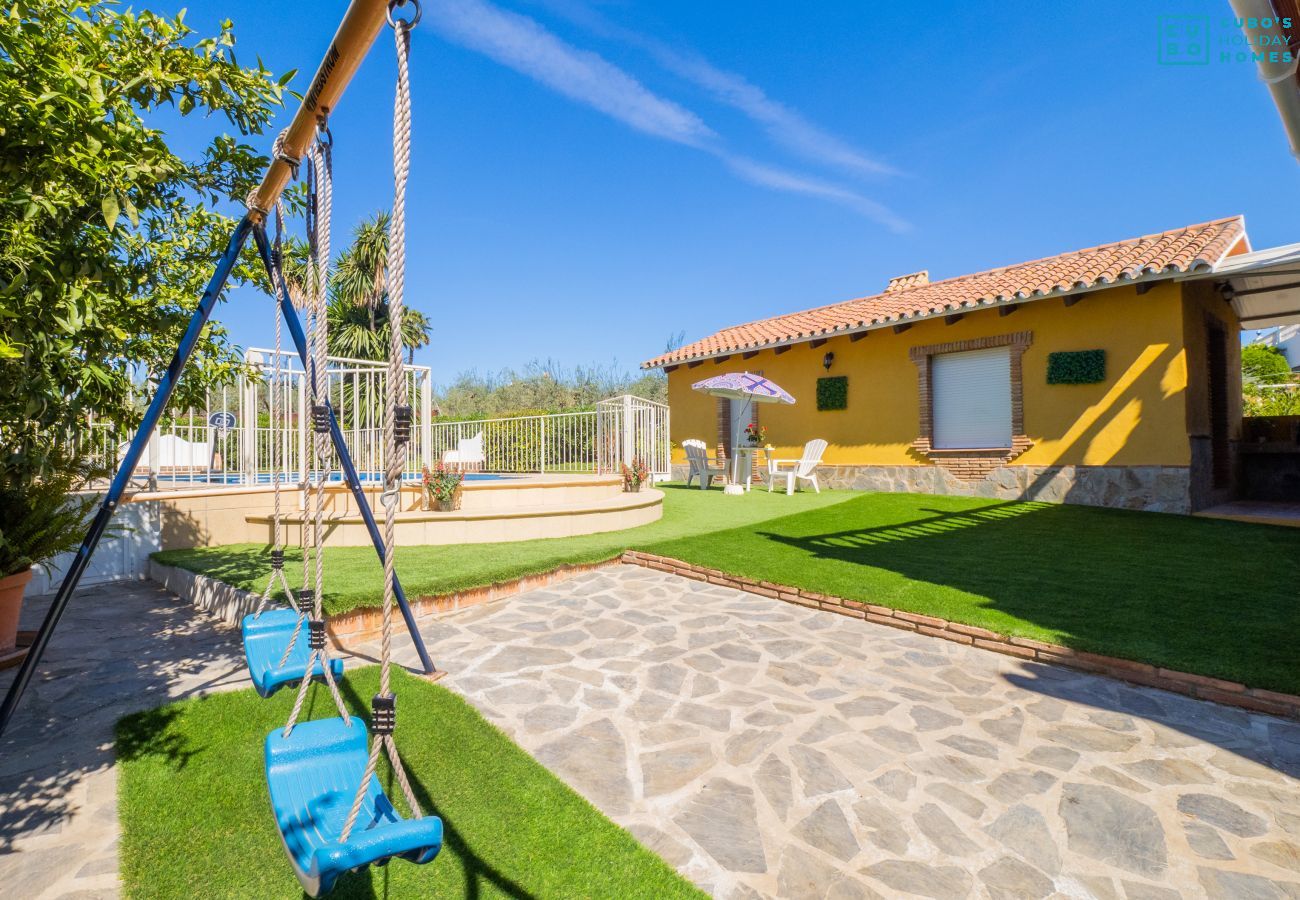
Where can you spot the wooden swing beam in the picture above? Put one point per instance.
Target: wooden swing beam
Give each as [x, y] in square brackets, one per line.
[352, 42]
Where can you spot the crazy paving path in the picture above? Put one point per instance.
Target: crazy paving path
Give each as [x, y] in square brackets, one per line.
[120, 648]
[765, 749]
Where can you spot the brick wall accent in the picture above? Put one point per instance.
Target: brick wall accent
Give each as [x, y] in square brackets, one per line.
[231, 604]
[972, 465]
[1229, 693]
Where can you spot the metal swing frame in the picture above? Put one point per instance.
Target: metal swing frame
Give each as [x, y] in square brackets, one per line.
[357, 31]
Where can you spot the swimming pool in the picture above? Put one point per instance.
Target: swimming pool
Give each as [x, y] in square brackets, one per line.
[335, 477]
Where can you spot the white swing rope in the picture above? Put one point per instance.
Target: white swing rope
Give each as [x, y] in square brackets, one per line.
[277, 548]
[394, 451]
[318, 231]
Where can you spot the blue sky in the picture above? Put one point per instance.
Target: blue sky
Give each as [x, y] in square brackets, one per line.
[591, 177]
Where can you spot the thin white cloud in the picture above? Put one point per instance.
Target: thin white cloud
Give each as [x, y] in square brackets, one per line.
[524, 45]
[781, 180]
[782, 124]
[785, 126]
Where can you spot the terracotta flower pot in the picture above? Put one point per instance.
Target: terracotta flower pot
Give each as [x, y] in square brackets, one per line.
[448, 505]
[11, 604]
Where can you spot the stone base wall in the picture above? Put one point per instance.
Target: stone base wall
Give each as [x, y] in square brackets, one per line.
[1149, 488]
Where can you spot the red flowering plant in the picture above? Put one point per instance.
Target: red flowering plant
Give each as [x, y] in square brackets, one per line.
[756, 434]
[635, 475]
[441, 483]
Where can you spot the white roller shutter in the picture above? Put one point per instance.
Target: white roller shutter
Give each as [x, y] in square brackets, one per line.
[971, 399]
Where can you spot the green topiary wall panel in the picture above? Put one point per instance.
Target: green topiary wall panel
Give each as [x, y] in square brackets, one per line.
[833, 392]
[1076, 367]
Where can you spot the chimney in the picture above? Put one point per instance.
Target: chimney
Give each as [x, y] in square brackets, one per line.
[903, 282]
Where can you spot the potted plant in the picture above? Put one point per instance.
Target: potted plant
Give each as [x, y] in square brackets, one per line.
[442, 487]
[40, 518]
[635, 475]
[755, 434]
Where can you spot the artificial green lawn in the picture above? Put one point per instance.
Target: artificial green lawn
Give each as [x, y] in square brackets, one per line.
[1201, 595]
[353, 574]
[196, 821]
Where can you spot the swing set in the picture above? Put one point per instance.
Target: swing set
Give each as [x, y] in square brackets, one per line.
[332, 814]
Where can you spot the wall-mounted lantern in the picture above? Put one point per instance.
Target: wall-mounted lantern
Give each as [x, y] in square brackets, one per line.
[828, 360]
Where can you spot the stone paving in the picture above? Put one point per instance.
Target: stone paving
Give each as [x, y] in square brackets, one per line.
[118, 649]
[769, 750]
[763, 749]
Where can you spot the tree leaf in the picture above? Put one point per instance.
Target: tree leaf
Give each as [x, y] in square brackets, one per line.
[111, 210]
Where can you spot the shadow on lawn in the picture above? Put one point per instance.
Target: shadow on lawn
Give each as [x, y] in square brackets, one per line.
[1192, 594]
[479, 874]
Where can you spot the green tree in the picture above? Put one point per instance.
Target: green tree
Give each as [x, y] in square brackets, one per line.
[107, 235]
[1265, 364]
[362, 333]
[544, 386]
[358, 304]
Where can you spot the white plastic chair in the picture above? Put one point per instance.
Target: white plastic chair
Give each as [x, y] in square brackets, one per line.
[802, 469]
[468, 453]
[702, 465]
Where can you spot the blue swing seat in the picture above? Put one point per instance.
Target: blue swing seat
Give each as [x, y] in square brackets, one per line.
[313, 776]
[265, 638]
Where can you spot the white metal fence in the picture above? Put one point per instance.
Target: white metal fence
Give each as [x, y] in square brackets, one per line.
[234, 440]
[617, 431]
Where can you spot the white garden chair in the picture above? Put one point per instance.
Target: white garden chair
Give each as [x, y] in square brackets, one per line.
[702, 465]
[467, 455]
[801, 469]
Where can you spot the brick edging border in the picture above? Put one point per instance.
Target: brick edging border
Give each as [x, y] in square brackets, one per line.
[1202, 687]
[230, 604]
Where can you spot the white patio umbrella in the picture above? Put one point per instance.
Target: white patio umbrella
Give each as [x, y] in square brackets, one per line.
[750, 388]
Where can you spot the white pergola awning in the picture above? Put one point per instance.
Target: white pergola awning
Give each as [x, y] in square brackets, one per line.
[1263, 286]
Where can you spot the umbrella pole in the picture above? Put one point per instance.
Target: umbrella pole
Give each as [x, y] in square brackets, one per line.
[736, 453]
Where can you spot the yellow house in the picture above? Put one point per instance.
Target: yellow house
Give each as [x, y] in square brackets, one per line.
[1108, 376]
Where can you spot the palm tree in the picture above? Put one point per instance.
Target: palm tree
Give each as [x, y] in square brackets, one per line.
[360, 271]
[293, 267]
[362, 333]
[358, 308]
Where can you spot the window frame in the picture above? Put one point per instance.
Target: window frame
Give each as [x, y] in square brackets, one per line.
[923, 357]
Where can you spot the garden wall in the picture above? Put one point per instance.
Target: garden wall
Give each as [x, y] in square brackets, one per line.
[1148, 488]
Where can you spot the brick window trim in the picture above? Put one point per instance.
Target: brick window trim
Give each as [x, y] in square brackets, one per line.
[972, 464]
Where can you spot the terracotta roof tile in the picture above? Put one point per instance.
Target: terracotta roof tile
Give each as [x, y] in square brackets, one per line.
[1194, 248]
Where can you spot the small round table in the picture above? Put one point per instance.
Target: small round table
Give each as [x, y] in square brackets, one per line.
[742, 459]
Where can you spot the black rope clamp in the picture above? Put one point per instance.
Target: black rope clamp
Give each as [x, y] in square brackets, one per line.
[277, 560]
[402, 417]
[320, 418]
[306, 601]
[383, 714]
[277, 152]
[316, 634]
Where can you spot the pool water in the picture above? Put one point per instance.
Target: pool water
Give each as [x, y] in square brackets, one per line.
[363, 477]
